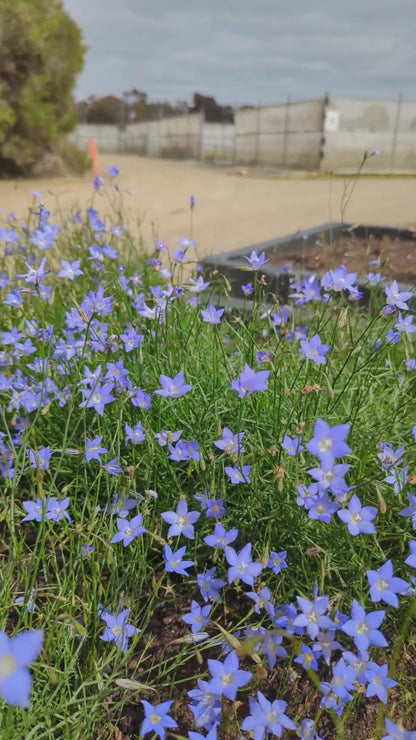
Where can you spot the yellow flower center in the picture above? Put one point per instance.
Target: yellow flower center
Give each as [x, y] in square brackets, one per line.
[227, 679]
[362, 628]
[8, 666]
[325, 445]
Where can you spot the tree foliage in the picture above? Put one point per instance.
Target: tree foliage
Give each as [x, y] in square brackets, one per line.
[41, 54]
[134, 107]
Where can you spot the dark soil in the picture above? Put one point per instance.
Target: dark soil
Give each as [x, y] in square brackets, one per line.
[395, 259]
[284, 682]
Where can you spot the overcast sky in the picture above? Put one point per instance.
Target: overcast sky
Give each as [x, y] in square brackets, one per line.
[248, 51]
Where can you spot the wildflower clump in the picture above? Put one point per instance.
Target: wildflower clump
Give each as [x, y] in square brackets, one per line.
[187, 537]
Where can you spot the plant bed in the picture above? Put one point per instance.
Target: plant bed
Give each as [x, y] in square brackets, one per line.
[362, 249]
[207, 519]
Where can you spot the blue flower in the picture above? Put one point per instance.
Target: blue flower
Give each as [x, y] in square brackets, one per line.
[272, 648]
[173, 387]
[205, 707]
[174, 562]
[98, 183]
[221, 538]
[398, 479]
[313, 615]
[35, 510]
[209, 585]
[40, 459]
[396, 732]
[16, 654]
[215, 508]
[362, 627]
[28, 602]
[248, 289]
[307, 730]
[262, 600]
[396, 298]
[97, 397]
[179, 255]
[267, 716]
[411, 559]
[87, 550]
[181, 521]
[343, 680]
[285, 618]
[238, 474]
[264, 357]
[321, 508]
[118, 630]
[227, 677]
[136, 435]
[198, 617]
[384, 586]
[131, 340]
[325, 644]
[277, 561]
[378, 681]
[157, 719]
[256, 260]
[292, 446]
[359, 518]
[250, 382]
[328, 440]
[358, 662]
[167, 437]
[184, 451]
[112, 467]
[70, 270]
[339, 279]
[185, 243]
[314, 350]
[230, 443]
[212, 315]
[389, 457]
[129, 530]
[405, 324]
[242, 567]
[307, 658]
[57, 510]
[35, 276]
[330, 476]
[198, 285]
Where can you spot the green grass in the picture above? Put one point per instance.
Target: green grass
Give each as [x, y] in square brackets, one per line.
[75, 691]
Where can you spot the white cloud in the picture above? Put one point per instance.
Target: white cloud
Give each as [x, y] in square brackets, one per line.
[243, 51]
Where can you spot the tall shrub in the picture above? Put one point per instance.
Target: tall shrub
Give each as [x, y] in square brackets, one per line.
[41, 54]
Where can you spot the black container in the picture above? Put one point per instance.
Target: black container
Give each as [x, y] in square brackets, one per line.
[278, 281]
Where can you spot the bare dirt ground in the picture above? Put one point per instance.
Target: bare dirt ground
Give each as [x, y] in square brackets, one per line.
[231, 211]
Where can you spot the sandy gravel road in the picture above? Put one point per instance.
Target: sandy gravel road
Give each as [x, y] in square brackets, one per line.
[231, 210]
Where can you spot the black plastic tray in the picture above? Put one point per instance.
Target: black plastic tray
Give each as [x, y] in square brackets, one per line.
[278, 281]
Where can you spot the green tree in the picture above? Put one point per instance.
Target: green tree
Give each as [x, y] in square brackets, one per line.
[41, 54]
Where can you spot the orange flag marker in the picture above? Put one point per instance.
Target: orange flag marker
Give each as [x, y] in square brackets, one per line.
[94, 157]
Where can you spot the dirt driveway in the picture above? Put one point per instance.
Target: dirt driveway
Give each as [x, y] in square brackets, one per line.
[231, 210]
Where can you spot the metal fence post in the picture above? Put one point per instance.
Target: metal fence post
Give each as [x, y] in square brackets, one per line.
[285, 131]
[395, 132]
[257, 139]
